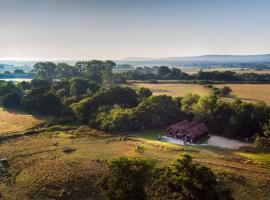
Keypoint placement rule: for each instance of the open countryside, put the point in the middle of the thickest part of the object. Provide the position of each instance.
(245, 92)
(134, 100)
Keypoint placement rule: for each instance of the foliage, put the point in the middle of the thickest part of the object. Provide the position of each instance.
(156, 111)
(144, 92)
(133, 178)
(106, 96)
(232, 119)
(188, 181)
(223, 92)
(264, 140)
(45, 70)
(11, 100)
(126, 179)
(188, 101)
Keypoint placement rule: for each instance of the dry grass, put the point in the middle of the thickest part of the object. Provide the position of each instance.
(173, 89)
(250, 92)
(11, 122)
(41, 168)
(245, 92)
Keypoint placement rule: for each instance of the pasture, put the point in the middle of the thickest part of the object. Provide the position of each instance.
(11, 122)
(173, 89)
(66, 164)
(245, 92)
(250, 92)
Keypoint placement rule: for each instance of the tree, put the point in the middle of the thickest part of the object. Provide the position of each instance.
(18, 71)
(50, 104)
(186, 180)
(64, 70)
(124, 96)
(163, 71)
(206, 107)
(264, 140)
(116, 119)
(189, 101)
(78, 86)
(12, 100)
(7, 72)
(42, 85)
(126, 179)
(45, 70)
(225, 91)
(158, 111)
(7, 87)
(144, 92)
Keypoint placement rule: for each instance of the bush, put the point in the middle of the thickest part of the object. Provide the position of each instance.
(12, 100)
(186, 180)
(126, 179)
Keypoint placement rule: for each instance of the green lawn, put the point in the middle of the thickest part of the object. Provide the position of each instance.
(149, 134)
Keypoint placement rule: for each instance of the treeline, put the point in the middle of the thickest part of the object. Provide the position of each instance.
(102, 72)
(165, 73)
(117, 108)
(231, 119)
(17, 73)
(95, 70)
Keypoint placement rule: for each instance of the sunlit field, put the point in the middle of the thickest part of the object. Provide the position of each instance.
(245, 92)
(250, 92)
(15, 122)
(172, 89)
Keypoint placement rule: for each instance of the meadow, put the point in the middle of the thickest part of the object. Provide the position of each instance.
(11, 122)
(250, 92)
(66, 164)
(173, 89)
(245, 92)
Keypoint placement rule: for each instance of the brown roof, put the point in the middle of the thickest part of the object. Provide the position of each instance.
(179, 124)
(188, 125)
(198, 130)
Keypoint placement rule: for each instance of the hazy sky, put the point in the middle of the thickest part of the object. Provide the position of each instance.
(112, 29)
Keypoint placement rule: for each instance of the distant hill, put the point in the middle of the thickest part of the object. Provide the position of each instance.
(199, 60)
(195, 61)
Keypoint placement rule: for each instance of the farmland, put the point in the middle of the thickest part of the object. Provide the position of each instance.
(250, 92)
(173, 89)
(11, 122)
(41, 167)
(245, 92)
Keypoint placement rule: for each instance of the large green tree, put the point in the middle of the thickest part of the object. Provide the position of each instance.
(45, 70)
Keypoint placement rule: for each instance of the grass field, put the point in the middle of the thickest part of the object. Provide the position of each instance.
(42, 168)
(245, 92)
(173, 89)
(250, 92)
(11, 122)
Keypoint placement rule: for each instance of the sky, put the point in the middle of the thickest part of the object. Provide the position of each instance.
(115, 29)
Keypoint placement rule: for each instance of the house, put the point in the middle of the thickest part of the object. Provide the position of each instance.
(197, 132)
(172, 129)
(187, 131)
